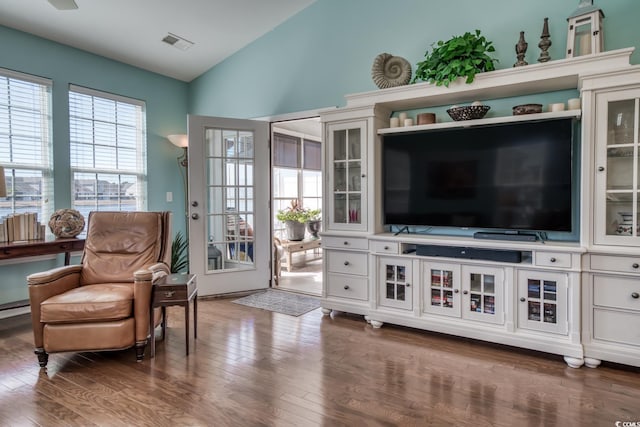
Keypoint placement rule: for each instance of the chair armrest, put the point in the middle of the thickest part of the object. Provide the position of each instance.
(46, 284)
(142, 287)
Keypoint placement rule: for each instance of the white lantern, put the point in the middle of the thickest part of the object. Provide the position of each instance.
(585, 35)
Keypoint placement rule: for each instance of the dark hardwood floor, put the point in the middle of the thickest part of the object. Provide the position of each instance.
(251, 367)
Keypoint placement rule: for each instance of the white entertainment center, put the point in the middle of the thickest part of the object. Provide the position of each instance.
(578, 299)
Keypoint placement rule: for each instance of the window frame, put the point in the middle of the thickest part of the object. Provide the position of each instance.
(140, 172)
(13, 168)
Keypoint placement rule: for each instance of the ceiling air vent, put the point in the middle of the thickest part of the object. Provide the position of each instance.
(177, 41)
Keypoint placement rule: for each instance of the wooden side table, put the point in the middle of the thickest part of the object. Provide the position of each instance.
(291, 247)
(174, 289)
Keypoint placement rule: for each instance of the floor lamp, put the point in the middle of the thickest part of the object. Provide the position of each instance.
(182, 141)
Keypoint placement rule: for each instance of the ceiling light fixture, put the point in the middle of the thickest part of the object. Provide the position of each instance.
(177, 41)
(63, 4)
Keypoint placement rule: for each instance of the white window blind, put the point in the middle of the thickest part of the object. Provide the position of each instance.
(25, 144)
(108, 151)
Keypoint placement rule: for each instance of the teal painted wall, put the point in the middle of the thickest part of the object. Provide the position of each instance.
(326, 51)
(166, 103)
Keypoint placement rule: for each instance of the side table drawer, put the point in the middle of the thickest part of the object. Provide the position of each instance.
(344, 286)
(167, 292)
(616, 292)
(616, 264)
(347, 262)
(337, 242)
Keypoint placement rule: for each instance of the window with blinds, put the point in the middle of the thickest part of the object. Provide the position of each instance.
(108, 151)
(296, 174)
(25, 144)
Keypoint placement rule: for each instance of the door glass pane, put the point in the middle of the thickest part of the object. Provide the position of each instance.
(401, 273)
(354, 144)
(533, 288)
(230, 205)
(339, 145)
(550, 290)
(550, 313)
(391, 272)
(436, 299)
(340, 208)
(435, 277)
(355, 182)
(401, 293)
(489, 284)
(489, 304)
(391, 291)
(447, 300)
(355, 208)
(476, 282)
(534, 311)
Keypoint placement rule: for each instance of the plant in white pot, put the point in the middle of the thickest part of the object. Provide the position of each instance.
(295, 217)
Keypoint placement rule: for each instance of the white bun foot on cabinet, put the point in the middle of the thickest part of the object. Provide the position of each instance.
(573, 362)
(376, 323)
(591, 363)
(367, 319)
(325, 311)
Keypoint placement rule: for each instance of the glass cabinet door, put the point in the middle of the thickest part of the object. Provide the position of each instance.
(617, 168)
(346, 164)
(441, 288)
(395, 283)
(542, 301)
(482, 294)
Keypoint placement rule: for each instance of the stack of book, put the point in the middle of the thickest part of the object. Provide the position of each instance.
(21, 227)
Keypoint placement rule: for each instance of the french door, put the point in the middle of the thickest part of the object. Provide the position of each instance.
(229, 223)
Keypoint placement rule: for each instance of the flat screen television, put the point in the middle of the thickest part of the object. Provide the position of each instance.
(512, 176)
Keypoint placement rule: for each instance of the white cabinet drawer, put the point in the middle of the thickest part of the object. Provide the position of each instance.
(617, 264)
(616, 292)
(553, 259)
(382, 247)
(344, 286)
(346, 262)
(345, 242)
(617, 326)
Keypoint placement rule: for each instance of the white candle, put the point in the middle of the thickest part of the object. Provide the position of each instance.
(574, 103)
(408, 122)
(394, 122)
(402, 117)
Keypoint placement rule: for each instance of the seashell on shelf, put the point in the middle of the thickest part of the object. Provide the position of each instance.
(390, 71)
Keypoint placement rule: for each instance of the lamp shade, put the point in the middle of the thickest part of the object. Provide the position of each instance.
(3, 186)
(181, 141)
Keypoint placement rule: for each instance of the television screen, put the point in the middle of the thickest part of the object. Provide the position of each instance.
(512, 176)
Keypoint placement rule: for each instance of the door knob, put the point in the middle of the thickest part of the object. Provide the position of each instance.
(522, 299)
(635, 295)
(195, 216)
(194, 203)
(601, 168)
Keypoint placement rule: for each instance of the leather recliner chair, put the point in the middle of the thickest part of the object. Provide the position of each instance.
(103, 303)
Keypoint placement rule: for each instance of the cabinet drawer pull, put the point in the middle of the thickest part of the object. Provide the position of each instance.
(169, 294)
(635, 295)
(601, 168)
(363, 176)
(522, 299)
(346, 263)
(635, 265)
(552, 259)
(455, 291)
(346, 287)
(465, 292)
(408, 285)
(386, 248)
(346, 243)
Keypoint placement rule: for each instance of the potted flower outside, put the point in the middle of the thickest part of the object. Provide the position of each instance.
(294, 218)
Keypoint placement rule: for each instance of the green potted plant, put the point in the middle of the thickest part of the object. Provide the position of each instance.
(461, 56)
(295, 217)
(179, 253)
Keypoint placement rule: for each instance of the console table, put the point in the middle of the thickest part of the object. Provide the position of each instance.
(33, 248)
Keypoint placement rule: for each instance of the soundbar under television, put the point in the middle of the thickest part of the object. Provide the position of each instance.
(513, 176)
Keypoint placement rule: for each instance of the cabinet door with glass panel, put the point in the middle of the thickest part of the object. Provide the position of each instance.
(542, 301)
(395, 279)
(483, 294)
(346, 164)
(441, 288)
(617, 201)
